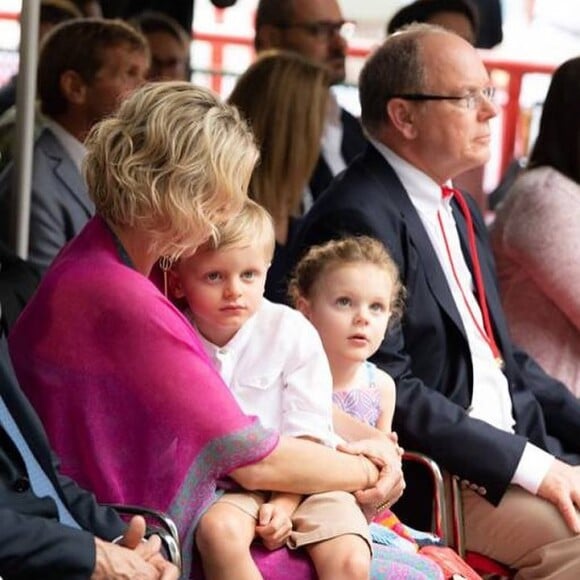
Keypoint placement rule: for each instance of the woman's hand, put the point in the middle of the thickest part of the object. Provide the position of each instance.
(383, 451)
(386, 454)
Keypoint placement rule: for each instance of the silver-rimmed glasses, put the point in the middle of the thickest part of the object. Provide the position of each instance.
(471, 100)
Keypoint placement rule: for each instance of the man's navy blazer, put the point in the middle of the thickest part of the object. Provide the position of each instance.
(33, 544)
(427, 353)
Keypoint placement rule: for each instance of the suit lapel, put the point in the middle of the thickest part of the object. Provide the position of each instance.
(433, 272)
(66, 171)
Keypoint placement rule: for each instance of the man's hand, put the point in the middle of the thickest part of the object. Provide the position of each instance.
(561, 486)
(134, 557)
(274, 526)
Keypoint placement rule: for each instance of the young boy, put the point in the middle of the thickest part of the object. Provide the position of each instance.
(274, 362)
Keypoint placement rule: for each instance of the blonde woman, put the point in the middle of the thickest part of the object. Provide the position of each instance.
(284, 98)
(119, 377)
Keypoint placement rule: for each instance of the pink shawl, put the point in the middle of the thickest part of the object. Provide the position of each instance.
(128, 397)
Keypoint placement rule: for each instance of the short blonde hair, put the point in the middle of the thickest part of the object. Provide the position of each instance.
(284, 97)
(253, 225)
(322, 259)
(174, 161)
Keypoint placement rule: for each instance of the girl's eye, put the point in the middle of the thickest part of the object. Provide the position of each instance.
(343, 301)
(377, 307)
(249, 275)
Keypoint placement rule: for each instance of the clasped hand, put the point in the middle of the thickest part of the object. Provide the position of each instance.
(386, 454)
(133, 557)
(274, 526)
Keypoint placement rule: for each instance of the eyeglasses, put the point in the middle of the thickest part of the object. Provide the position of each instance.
(325, 29)
(471, 100)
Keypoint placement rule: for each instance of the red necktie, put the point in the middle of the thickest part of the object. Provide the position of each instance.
(487, 331)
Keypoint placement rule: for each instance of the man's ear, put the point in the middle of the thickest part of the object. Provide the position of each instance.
(401, 114)
(303, 306)
(73, 87)
(268, 36)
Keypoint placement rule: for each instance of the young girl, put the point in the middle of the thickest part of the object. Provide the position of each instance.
(349, 289)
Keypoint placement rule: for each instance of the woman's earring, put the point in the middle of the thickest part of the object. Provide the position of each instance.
(165, 262)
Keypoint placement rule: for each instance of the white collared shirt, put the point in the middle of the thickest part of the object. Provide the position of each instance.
(277, 369)
(330, 146)
(491, 401)
(75, 149)
(331, 143)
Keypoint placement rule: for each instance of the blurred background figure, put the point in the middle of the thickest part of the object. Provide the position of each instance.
(459, 16)
(284, 98)
(317, 30)
(89, 8)
(168, 43)
(536, 241)
(52, 12)
(86, 68)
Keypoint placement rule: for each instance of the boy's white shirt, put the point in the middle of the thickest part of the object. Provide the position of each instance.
(277, 369)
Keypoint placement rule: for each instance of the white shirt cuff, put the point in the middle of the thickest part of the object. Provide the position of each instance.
(532, 468)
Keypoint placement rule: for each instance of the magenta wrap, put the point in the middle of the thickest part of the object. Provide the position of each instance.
(132, 404)
(124, 388)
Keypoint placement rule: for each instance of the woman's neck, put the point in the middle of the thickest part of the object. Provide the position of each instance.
(137, 244)
(344, 373)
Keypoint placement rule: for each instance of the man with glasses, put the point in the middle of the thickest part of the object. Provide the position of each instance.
(466, 395)
(316, 30)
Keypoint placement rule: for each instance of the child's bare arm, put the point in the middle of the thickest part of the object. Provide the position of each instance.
(352, 429)
(386, 386)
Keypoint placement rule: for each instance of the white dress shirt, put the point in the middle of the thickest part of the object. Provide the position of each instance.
(330, 146)
(331, 143)
(491, 401)
(277, 369)
(76, 150)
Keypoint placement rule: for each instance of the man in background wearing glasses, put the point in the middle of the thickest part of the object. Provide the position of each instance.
(316, 30)
(482, 408)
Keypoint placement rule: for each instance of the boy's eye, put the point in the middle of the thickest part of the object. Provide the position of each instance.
(377, 307)
(248, 275)
(343, 301)
(213, 276)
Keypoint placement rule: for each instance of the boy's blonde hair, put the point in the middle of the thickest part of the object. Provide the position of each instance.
(321, 259)
(252, 225)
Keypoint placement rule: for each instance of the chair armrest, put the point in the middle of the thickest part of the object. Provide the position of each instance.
(440, 514)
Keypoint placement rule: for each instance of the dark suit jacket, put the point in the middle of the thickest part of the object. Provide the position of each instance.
(33, 544)
(353, 143)
(428, 354)
(18, 281)
(60, 205)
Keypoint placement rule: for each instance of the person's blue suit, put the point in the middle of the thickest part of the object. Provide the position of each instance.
(428, 354)
(60, 204)
(33, 544)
